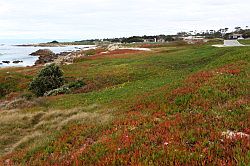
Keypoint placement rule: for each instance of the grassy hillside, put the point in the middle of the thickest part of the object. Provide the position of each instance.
(176, 105)
(246, 42)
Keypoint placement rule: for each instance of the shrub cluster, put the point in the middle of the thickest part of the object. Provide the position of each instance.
(76, 85)
(50, 82)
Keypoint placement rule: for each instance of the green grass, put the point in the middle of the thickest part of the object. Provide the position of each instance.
(166, 107)
(245, 42)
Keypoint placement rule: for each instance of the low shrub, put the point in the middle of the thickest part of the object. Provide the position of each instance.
(7, 86)
(76, 85)
(90, 52)
(66, 88)
(49, 78)
(27, 96)
(3, 90)
(58, 91)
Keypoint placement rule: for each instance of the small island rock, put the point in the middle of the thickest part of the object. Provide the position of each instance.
(45, 56)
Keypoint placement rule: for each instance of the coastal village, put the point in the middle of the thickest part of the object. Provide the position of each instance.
(190, 37)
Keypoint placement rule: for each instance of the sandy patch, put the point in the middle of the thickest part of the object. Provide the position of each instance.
(139, 49)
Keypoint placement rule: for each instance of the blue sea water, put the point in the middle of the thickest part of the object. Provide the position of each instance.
(11, 53)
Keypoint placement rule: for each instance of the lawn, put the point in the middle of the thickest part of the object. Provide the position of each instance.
(175, 105)
(245, 42)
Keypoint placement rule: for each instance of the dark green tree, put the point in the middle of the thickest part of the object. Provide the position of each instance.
(49, 78)
(54, 42)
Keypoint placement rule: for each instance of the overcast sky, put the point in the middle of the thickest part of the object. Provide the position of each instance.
(85, 19)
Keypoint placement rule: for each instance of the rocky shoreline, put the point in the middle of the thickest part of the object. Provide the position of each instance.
(47, 56)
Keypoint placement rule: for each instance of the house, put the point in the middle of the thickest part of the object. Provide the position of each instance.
(194, 39)
(235, 36)
(150, 40)
(154, 40)
(161, 40)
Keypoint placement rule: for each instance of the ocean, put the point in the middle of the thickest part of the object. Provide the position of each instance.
(12, 53)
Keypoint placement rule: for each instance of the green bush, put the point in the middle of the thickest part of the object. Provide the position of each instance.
(3, 90)
(76, 85)
(7, 87)
(49, 78)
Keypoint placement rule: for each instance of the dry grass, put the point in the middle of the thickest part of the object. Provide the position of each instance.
(18, 128)
(25, 140)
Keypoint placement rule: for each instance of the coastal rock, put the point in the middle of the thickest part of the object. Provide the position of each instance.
(6, 62)
(17, 61)
(63, 54)
(45, 56)
(67, 57)
(43, 52)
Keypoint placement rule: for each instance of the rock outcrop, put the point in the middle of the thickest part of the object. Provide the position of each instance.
(45, 56)
(43, 52)
(17, 61)
(6, 62)
(67, 57)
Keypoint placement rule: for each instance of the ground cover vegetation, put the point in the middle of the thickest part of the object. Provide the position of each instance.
(175, 105)
(245, 42)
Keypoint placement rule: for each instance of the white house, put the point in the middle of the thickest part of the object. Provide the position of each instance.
(235, 36)
(151, 40)
(194, 39)
(161, 40)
